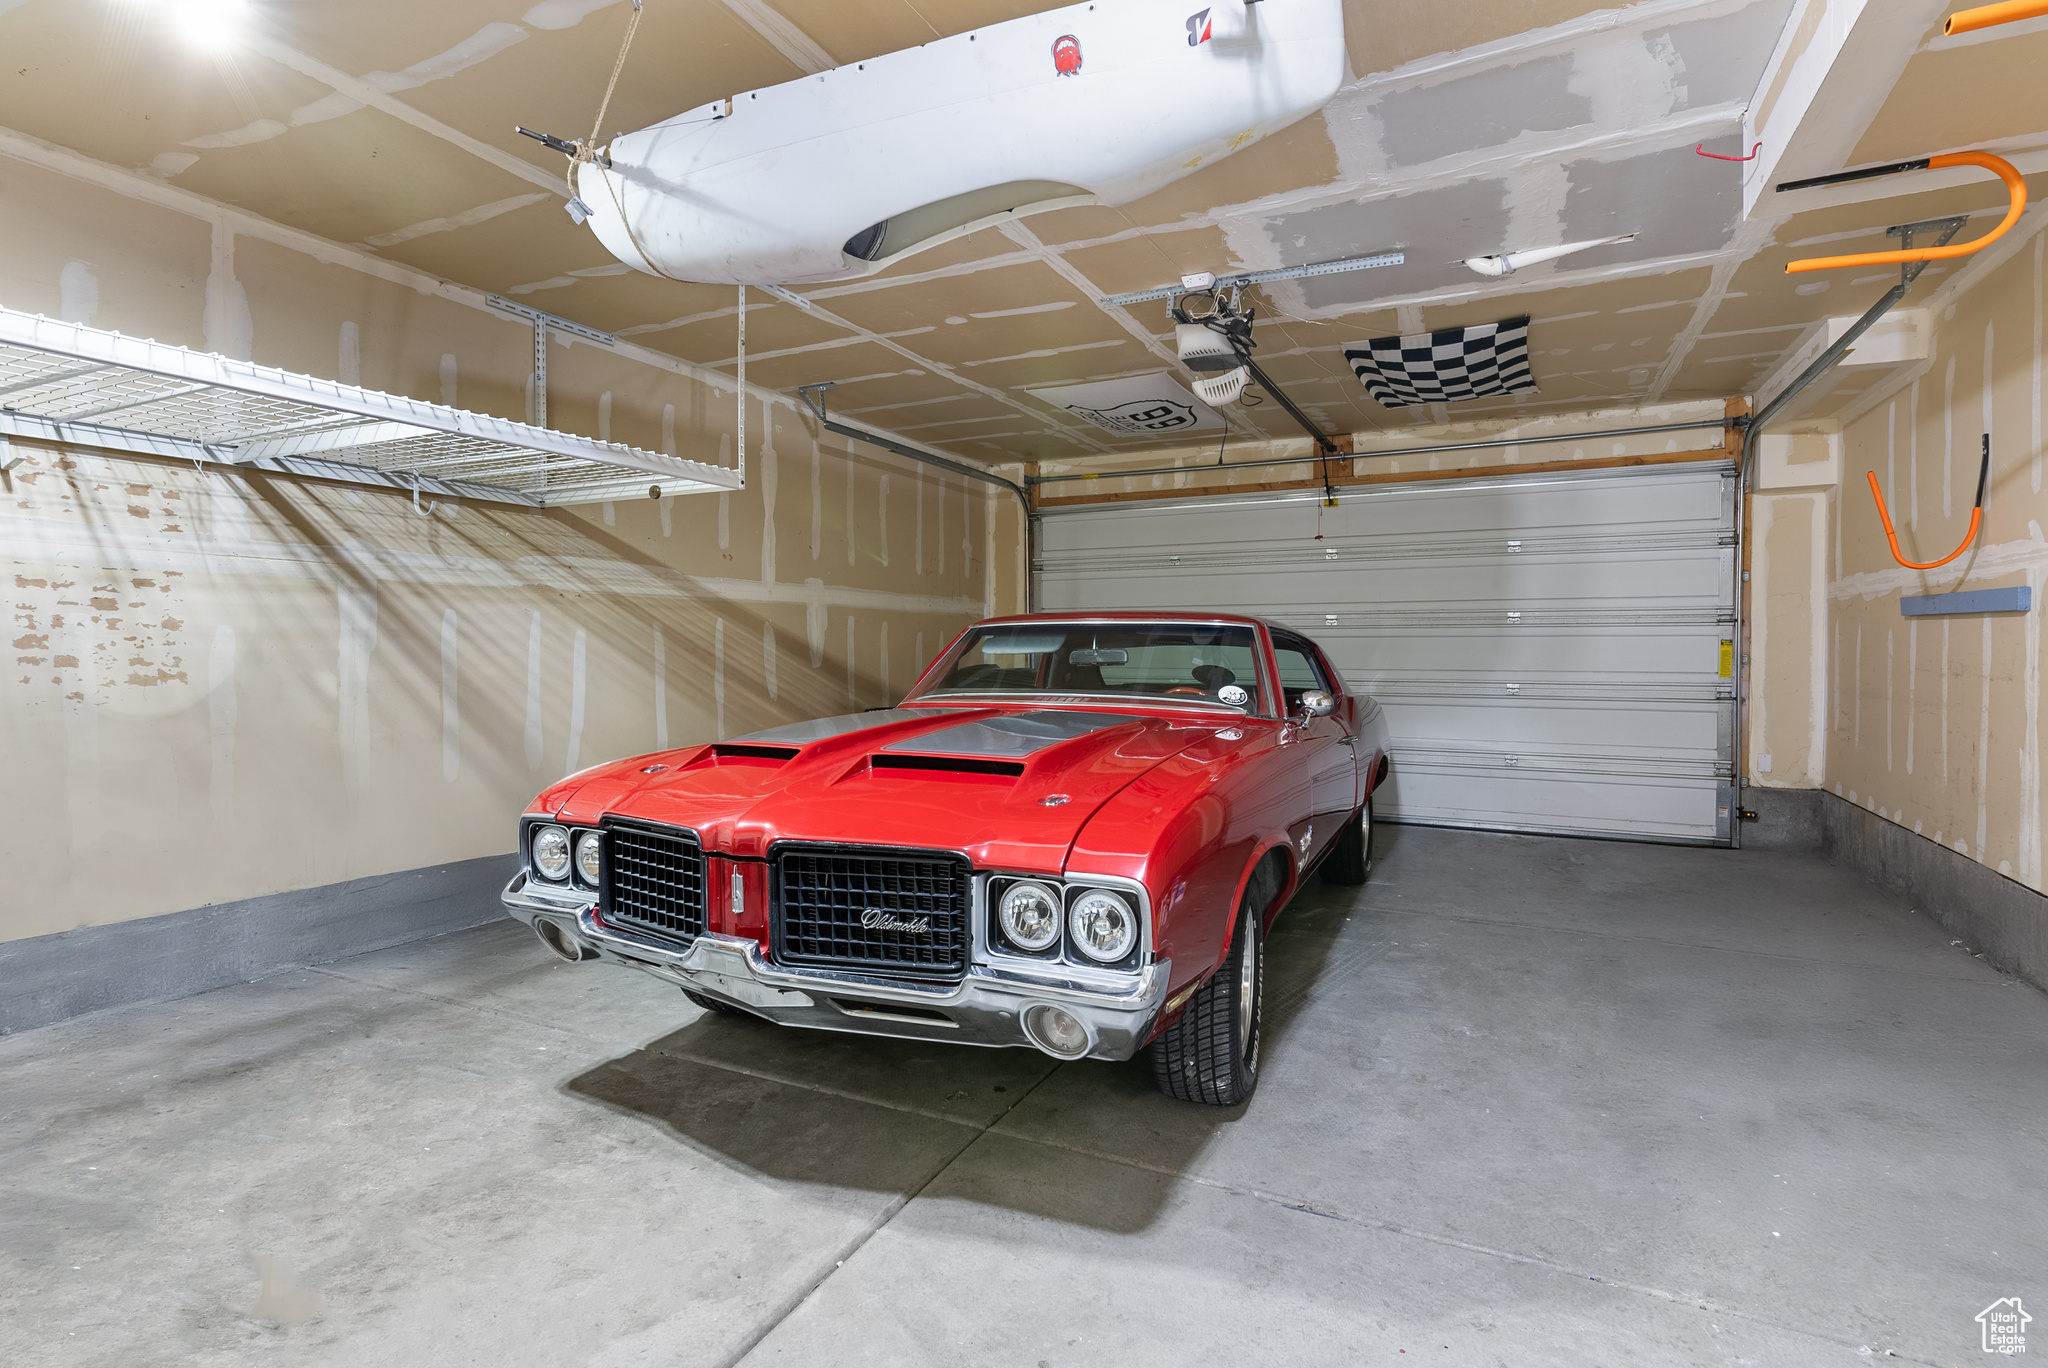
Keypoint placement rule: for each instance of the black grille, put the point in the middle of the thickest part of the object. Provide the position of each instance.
(654, 880)
(824, 896)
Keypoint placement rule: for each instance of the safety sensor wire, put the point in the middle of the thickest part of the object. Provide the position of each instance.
(1976, 516)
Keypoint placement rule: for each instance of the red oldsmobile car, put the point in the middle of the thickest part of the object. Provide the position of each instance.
(1073, 834)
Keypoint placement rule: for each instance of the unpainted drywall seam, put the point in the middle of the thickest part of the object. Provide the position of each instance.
(226, 321)
(451, 713)
(660, 690)
(1763, 512)
(1817, 628)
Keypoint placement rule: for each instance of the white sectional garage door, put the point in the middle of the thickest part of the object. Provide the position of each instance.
(1549, 648)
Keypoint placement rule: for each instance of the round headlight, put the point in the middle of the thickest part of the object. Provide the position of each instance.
(1103, 926)
(551, 852)
(1030, 913)
(590, 857)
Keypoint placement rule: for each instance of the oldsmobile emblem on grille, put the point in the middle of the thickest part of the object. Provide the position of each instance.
(875, 919)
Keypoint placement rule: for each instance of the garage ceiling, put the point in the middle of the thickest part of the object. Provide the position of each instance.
(1468, 129)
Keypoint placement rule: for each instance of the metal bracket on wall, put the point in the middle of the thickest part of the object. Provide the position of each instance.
(2015, 599)
(542, 324)
(814, 399)
(1822, 364)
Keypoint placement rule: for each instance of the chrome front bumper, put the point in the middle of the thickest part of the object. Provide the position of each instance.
(985, 1008)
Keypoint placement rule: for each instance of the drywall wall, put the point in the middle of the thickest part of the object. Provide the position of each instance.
(1794, 485)
(222, 684)
(1934, 723)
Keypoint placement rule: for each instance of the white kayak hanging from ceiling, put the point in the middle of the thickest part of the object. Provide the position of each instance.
(838, 175)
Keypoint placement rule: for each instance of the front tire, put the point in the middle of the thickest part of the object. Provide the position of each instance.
(712, 1004)
(1351, 862)
(1211, 1055)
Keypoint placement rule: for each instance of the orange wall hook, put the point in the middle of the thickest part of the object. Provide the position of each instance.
(1987, 16)
(2006, 171)
(1976, 516)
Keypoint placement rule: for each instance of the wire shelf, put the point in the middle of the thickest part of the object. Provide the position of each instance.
(65, 381)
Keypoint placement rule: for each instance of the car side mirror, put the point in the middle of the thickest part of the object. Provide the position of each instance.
(1315, 703)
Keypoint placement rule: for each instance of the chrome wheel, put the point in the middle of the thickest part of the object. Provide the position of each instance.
(1248, 991)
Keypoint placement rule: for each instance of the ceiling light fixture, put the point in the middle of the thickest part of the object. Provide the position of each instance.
(210, 24)
(1507, 263)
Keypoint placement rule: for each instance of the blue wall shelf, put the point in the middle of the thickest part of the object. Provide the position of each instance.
(2015, 600)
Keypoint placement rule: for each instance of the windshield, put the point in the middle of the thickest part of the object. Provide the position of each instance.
(1197, 662)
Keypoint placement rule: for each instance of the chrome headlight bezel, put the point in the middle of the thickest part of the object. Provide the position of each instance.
(589, 858)
(1091, 904)
(557, 842)
(993, 945)
(1019, 892)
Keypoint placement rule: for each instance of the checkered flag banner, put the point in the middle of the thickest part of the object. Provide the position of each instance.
(1445, 367)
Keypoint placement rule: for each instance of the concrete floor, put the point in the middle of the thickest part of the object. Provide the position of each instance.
(1525, 1102)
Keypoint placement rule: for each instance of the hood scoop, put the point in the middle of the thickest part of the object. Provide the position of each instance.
(946, 764)
(739, 752)
(750, 756)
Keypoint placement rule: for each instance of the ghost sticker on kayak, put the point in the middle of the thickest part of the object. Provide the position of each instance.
(1066, 55)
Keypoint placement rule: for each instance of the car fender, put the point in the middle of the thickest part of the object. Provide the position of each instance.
(1375, 759)
(1184, 992)
(1290, 883)
(1191, 830)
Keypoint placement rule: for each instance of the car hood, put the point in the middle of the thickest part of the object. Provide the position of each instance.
(1011, 787)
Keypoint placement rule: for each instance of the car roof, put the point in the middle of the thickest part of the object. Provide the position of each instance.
(1142, 615)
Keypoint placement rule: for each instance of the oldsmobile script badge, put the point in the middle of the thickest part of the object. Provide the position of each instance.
(875, 919)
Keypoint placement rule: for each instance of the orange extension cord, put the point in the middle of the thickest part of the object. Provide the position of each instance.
(1976, 516)
(2006, 172)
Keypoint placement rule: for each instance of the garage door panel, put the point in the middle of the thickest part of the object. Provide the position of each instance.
(1674, 731)
(1560, 632)
(1517, 657)
(1670, 582)
(1394, 517)
(1646, 809)
(1678, 585)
